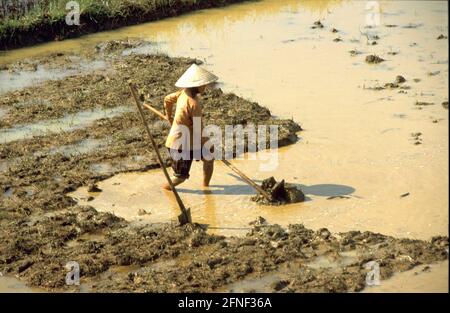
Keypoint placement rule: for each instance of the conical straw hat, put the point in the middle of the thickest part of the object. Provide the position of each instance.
(195, 76)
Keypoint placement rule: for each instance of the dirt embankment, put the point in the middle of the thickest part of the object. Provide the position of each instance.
(95, 19)
(41, 228)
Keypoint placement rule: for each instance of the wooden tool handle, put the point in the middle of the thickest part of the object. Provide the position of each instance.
(147, 106)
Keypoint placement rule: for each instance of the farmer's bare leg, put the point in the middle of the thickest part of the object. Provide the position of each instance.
(176, 181)
(208, 169)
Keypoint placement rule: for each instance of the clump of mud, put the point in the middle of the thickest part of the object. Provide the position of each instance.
(423, 103)
(317, 24)
(373, 59)
(354, 52)
(116, 46)
(281, 193)
(393, 53)
(399, 80)
(398, 83)
(417, 138)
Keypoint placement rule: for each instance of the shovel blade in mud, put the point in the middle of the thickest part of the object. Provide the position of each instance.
(185, 217)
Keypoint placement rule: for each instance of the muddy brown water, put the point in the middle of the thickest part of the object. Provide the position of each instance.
(357, 142)
(68, 123)
(422, 279)
(12, 80)
(9, 284)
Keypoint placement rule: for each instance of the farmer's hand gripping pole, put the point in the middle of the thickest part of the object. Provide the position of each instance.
(185, 216)
(261, 191)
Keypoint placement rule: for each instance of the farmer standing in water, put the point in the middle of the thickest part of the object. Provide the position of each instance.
(185, 141)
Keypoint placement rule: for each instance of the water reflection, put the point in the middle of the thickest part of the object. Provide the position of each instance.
(67, 123)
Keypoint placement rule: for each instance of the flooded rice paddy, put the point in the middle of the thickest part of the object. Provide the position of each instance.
(373, 153)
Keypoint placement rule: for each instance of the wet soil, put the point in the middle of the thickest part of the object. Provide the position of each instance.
(170, 258)
(38, 219)
(193, 261)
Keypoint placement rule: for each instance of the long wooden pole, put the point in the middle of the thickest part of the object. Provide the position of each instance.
(264, 193)
(185, 216)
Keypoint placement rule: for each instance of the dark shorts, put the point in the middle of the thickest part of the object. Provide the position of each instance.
(182, 161)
